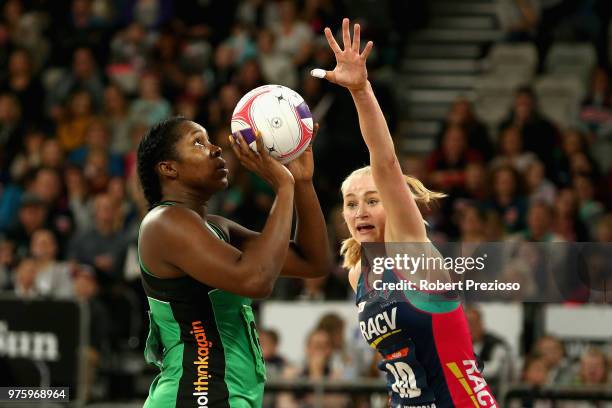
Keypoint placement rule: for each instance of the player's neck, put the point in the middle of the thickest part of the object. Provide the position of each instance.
(194, 202)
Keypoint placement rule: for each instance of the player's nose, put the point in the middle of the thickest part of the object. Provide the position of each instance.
(215, 151)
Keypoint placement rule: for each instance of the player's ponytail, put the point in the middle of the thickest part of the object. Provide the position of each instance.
(351, 249)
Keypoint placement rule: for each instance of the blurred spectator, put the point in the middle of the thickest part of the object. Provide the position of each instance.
(78, 198)
(447, 164)
(131, 46)
(462, 114)
(52, 155)
(596, 111)
(323, 13)
(32, 215)
(276, 67)
(603, 231)
(518, 18)
(539, 135)
(249, 76)
(116, 115)
(554, 356)
(535, 373)
(84, 75)
(589, 209)
(317, 367)
(11, 130)
(293, 37)
(343, 358)
(275, 363)
(540, 218)
(574, 143)
(593, 368)
(567, 223)
(103, 245)
(97, 138)
(471, 220)
(25, 279)
(23, 83)
(29, 157)
(493, 352)
(53, 278)
(7, 263)
(538, 186)
(257, 13)
(511, 151)
(508, 200)
(150, 107)
(72, 127)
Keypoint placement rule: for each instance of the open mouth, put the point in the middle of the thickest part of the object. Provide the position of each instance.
(364, 228)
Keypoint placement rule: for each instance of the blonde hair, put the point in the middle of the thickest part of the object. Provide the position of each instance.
(351, 249)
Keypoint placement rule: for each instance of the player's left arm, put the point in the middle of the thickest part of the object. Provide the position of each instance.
(309, 253)
(404, 220)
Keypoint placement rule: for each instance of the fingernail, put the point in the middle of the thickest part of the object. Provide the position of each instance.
(231, 139)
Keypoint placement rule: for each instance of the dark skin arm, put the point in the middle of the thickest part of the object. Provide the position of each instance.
(309, 255)
(176, 240)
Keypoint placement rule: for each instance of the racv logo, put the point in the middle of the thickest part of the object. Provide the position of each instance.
(378, 325)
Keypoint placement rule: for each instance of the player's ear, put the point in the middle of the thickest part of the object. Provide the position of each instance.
(167, 169)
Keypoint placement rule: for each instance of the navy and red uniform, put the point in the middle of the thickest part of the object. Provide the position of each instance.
(425, 345)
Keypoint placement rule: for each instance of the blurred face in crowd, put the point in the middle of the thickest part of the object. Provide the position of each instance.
(104, 210)
(603, 232)
(286, 11)
(535, 174)
(12, 11)
(149, 87)
(43, 245)
(584, 188)
(80, 104)
(196, 86)
(96, 170)
(475, 176)
(511, 143)
(48, 185)
(85, 285)
(471, 222)
(265, 42)
(454, 143)
(363, 210)
(551, 350)
(319, 343)
(539, 218)
(52, 154)
(572, 142)
(229, 95)
(593, 368)
(580, 164)
(33, 142)
(475, 322)
(19, 63)
(536, 372)
(114, 101)
(524, 105)
(83, 63)
(565, 204)
(460, 113)
(116, 189)
(97, 135)
(505, 182)
(26, 274)
(10, 111)
(32, 216)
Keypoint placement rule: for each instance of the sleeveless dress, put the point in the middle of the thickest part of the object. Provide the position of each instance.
(426, 347)
(204, 342)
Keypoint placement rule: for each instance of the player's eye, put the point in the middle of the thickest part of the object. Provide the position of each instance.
(351, 205)
(372, 201)
(199, 143)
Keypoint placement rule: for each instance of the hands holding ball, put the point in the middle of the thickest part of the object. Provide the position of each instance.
(274, 122)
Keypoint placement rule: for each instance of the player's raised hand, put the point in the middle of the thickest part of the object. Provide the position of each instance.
(350, 71)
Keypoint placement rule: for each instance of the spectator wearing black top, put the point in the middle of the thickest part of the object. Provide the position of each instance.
(539, 135)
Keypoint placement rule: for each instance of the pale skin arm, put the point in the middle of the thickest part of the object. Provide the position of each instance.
(404, 220)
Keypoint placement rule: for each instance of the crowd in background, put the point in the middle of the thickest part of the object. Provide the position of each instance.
(81, 81)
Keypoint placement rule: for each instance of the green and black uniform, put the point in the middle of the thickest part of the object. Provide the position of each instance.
(205, 343)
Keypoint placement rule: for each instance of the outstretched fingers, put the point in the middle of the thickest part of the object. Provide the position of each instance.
(346, 34)
(366, 50)
(332, 41)
(356, 38)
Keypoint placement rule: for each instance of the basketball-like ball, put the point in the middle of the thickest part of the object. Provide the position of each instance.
(280, 115)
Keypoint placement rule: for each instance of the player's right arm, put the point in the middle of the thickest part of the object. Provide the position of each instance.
(178, 239)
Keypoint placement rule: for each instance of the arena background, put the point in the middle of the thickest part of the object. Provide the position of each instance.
(503, 104)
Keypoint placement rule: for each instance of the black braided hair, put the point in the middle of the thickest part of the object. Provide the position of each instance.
(157, 145)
